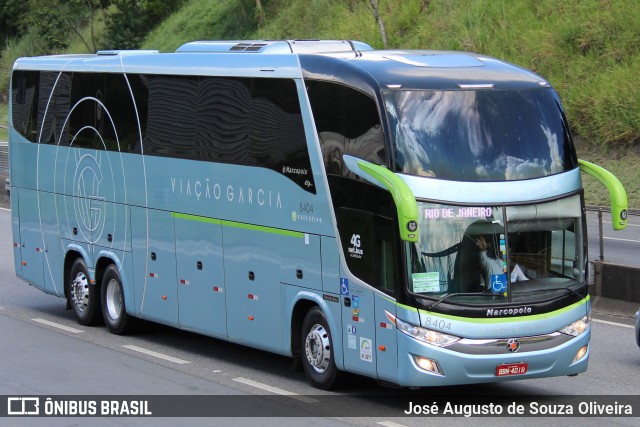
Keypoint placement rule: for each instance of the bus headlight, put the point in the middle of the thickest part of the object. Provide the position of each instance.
(578, 327)
(429, 336)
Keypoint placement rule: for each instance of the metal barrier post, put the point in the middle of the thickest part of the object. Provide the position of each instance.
(601, 232)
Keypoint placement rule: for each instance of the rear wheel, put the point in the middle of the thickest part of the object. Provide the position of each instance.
(83, 295)
(318, 358)
(113, 304)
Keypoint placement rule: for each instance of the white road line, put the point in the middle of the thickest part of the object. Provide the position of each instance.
(275, 390)
(390, 424)
(606, 322)
(57, 325)
(156, 354)
(628, 224)
(621, 240)
(5, 209)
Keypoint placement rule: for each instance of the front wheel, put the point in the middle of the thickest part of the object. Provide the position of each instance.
(113, 304)
(83, 295)
(317, 351)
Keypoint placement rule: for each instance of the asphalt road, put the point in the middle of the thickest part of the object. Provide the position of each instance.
(44, 351)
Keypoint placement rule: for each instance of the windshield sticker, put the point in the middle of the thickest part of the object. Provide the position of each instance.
(352, 342)
(366, 350)
(498, 283)
(426, 282)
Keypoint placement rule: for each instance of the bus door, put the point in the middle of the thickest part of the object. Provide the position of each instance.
(369, 340)
(200, 273)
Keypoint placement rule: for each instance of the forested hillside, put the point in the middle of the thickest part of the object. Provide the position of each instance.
(588, 49)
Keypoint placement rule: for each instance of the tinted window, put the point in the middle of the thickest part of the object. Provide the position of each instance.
(77, 109)
(481, 135)
(254, 122)
(369, 246)
(277, 139)
(347, 122)
(87, 118)
(172, 116)
(54, 104)
(24, 98)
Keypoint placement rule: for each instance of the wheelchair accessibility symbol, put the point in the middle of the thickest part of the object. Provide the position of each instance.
(498, 283)
(344, 286)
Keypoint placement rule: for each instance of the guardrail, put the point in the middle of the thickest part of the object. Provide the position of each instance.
(618, 247)
(4, 160)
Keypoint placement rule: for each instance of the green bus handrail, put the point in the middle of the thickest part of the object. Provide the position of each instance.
(403, 198)
(617, 193)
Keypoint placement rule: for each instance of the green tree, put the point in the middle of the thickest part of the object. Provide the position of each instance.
(54, 20)
(12, 13)
(129, 21)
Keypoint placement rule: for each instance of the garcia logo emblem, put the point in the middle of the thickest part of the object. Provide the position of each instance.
(89, 206)
(623, 214)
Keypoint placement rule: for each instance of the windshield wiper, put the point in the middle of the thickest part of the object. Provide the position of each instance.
(447, 296)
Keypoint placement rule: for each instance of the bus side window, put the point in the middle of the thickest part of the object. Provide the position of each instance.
(368, 243)
(347, 122)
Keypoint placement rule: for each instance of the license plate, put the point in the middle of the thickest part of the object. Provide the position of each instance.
(511, 369)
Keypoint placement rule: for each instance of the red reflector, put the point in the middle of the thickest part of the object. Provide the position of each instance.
(250, 296)
(383, 325)
(164, 297)
(37, 249)
(354, 318)
(215, 289)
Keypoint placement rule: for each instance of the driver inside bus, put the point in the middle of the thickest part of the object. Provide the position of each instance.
(492, 264)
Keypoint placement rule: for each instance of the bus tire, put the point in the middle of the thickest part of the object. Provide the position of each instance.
(113, 303)
(318, 358)
(83, 295)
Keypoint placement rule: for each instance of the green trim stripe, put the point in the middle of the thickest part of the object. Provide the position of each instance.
(509, 319)
(225, 223)
(496, 319)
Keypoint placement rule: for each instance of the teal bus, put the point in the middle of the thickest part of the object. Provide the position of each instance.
(416, 217)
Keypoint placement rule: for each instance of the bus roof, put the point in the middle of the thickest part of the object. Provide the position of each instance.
(349, 62)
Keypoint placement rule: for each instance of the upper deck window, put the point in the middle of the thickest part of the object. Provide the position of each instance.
(479, 135)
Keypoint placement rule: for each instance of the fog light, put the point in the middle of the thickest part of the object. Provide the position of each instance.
(427, 364)
(580, 354)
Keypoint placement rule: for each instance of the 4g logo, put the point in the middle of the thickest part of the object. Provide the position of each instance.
(354, 250)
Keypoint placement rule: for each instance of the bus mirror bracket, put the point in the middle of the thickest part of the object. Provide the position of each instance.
(402, 195)
(617, 193)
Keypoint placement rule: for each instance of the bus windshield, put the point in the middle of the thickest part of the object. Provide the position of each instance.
(481, 254)
(480, 135)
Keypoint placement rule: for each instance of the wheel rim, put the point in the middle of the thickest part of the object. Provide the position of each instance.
(318, 348)
(80, 292)
(114, 299)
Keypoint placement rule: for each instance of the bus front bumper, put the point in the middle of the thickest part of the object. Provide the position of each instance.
(443, 366)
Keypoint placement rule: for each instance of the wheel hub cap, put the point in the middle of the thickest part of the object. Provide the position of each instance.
(318, 349)
(80, 291)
